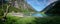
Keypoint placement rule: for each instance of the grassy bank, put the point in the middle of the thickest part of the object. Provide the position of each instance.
(19, 20)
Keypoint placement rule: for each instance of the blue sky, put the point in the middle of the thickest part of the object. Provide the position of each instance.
(39, 5)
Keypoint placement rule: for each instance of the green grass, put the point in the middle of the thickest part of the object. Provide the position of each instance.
(19, 20)
(32, 20)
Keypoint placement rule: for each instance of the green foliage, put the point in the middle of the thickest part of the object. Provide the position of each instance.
(19, 20)
(1, 13)
(32, 20)
(11, 8)
(48, 20)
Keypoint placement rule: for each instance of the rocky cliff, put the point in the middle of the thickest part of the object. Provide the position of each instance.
(22, 5)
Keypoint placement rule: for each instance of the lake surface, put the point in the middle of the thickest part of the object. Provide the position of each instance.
(37, 15)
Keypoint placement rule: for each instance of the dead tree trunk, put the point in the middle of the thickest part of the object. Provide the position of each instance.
(5, 14)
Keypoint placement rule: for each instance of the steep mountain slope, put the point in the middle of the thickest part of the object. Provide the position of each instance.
(16, 6)
(53, 9)
(22, 5)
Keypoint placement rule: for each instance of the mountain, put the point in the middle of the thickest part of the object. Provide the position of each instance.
(16, 6)
(53, 9)
(22, 5)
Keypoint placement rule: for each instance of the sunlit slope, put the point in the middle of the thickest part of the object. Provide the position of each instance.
(24, 6)
(18, 6)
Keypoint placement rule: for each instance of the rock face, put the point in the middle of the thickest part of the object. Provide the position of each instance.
(21, 4)
(53, 9)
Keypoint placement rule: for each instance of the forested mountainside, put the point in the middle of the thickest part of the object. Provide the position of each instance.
(53, 9)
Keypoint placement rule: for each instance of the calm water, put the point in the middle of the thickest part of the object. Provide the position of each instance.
(37, 15)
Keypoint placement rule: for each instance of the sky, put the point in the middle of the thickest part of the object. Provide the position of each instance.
(39, 5)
